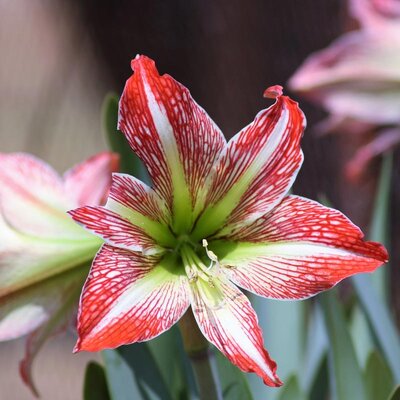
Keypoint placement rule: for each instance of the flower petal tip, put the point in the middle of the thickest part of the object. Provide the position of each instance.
(273, 92)
(77, 348)
(276, 383)
(383, 253)
(141, 61)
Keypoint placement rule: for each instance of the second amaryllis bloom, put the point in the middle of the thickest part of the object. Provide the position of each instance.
(216, 217)
(44, 256)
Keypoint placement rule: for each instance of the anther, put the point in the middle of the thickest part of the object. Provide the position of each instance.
(211, 255)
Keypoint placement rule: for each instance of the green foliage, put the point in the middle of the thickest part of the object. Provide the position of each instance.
(292, 391)
(345, 374)
(395, 395)
(138, 366)
(379, 231)
(95, 384)
(233, 381)
(378, 377)
(315, 353)
(170, 358)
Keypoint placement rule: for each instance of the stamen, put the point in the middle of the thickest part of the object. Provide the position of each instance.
(194, 268)
(212, 256)
(191, 274)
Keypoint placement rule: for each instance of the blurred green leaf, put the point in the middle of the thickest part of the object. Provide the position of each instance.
(320, 388)
(121, 381)
(129, 162)
(132, 373)
(95, 384)
(147, 373)
(372, 301)
(291, 390)
(378, 377)
(167, 350)
(361, 335)
(380, 222)
(316, 348)
(345, 373)
(283, 326)
(233, 381)
(381, 321)
(395, 395)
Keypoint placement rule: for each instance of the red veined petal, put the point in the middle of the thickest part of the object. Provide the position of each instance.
(32, 196)
(228, 321)
(88, 182)
(129, 297)
(298, 250)
(256, 169)
(114, 229)
(128, 194)
(175, 138)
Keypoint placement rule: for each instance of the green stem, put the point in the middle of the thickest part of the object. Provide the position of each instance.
(201, 358)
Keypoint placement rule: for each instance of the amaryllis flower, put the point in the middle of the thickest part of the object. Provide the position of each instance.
(357, 78)
(44, 256)
(216, 217)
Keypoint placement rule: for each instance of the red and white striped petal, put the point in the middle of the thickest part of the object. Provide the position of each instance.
(32, 196)
(88, 182)
(227, 320)
(298, 250)
(129, 297)
(256, 169)
(175, 138)
(130, 196)
(115, 229)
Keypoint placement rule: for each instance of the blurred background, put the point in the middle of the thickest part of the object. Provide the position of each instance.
(60, 58)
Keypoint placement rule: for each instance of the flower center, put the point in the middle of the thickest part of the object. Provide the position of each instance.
(195, 267)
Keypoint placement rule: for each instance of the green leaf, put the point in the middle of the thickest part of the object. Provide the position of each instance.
(320, 388)
(167, 350)
(380, 222)
(121, 381)
(361, 335)
(279, 320)
(291, 390)
(129, 162)
(316, 348)
(381, 321)
(395, 395)
(132, 373)
(378, 377)
(345, 373)
(95, 384)
(233, 381)
(148, 376)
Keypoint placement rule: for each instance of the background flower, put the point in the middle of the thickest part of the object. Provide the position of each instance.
(357, 79)
(44, 256)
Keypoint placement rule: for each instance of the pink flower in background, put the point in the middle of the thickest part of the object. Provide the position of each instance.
(357, 78)
(217, 216)
(44, 256)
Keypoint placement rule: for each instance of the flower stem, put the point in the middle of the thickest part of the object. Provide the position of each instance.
(201, 358)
